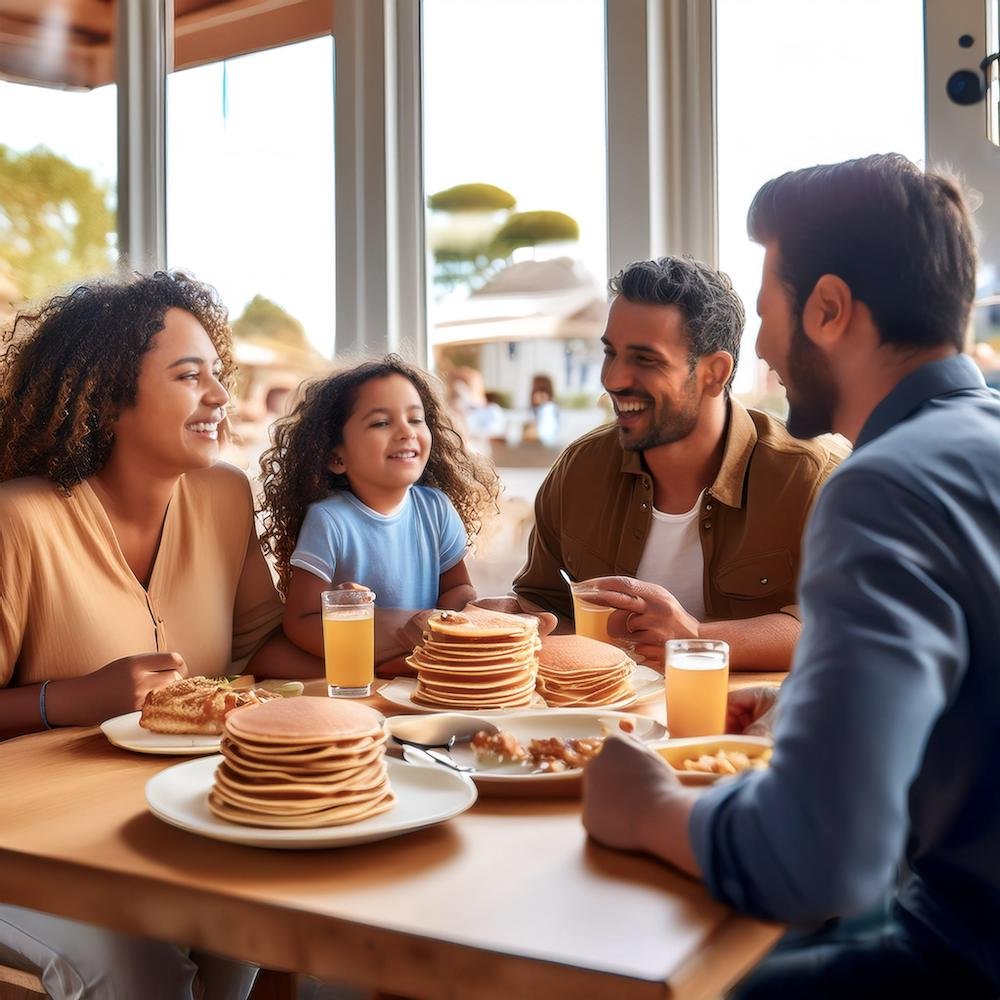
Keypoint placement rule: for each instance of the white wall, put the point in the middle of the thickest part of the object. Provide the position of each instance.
(956, 135)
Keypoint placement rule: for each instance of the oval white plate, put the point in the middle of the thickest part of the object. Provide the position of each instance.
(646, 682)
(565, 723)
(124, 731)
(400, 692)
(424, 796)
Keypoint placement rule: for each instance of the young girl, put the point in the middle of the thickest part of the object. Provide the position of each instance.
(367, 482)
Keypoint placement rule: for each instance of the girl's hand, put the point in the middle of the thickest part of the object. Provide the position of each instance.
(117, 688)
(351, 586)
(646, 614)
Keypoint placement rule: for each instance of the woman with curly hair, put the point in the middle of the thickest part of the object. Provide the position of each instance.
(128, 558)
(368, 482)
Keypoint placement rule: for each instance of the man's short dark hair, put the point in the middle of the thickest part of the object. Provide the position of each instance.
(713, 313)
(900, 238)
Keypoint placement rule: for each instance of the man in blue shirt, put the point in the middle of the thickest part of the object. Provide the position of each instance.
(887, 738)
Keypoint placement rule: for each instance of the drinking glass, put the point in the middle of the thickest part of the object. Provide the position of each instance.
(697, 676)
(591, 619)
(349, 642)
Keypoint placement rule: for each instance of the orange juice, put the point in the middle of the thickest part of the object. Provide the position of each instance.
(697, 688)
(592, 620)
(349, 644)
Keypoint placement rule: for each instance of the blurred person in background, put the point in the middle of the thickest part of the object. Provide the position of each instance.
(544, 424)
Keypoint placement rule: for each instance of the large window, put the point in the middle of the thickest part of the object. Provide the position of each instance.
(514, 170)
(800, 84)
(250, 180)
(250, 210)
(57, 154)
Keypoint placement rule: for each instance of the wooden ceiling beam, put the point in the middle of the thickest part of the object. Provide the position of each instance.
(235, 27)
(84, 55)
(27, 56)
(95, 17)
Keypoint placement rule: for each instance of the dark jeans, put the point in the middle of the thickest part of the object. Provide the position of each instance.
(898, 959)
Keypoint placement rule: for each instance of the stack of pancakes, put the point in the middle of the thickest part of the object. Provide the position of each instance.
(476, 660)
(577, 672)
(305, 762)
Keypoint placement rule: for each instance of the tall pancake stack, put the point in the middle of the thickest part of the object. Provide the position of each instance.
(305, 762)
(577, 672)
(476, 660)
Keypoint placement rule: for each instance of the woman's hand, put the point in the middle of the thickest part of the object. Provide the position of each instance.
(646, 614)
(118, 687)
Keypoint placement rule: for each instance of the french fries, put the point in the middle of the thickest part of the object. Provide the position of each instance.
(727, 762)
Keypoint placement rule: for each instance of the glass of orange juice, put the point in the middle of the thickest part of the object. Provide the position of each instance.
(697, 676)
(591, 619)
(349, 642)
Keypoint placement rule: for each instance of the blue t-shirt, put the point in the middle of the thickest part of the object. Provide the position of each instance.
(400, 556)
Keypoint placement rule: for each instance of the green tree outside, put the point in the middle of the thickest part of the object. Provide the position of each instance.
(476, 230)
(57, 222)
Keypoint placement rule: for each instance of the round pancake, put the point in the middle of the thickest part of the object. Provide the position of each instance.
(303, 720)
(286, 762)
(477, 624)
(293, 798)
(252, 768)
(308, 752)
(577, 652)
(337, 816)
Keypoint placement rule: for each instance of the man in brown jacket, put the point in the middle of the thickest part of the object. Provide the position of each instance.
(689, 509)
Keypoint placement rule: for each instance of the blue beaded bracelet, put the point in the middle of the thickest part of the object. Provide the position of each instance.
(41, 705)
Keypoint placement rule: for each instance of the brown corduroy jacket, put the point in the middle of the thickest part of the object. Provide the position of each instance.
(593, 514)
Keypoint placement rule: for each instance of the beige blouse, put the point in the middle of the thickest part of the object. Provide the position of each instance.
(70, 604)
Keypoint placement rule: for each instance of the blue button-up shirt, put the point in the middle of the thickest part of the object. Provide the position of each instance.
(888, 739)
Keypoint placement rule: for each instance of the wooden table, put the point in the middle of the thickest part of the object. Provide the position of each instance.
(508, 900)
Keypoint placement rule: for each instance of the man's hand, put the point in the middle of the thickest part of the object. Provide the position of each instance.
(622, 789)
(633, 801)
(118, 687)
(752, 710)
(646, 614)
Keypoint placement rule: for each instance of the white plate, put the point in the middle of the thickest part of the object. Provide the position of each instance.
(424, 796)
(124, 731)
(647, 684)
(400, 692)
(565, 723)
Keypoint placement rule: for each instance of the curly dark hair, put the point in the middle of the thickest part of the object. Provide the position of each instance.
(70, 367)
(294, 469)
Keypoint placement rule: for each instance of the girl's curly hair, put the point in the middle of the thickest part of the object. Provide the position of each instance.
(294, 469)
(69, 369)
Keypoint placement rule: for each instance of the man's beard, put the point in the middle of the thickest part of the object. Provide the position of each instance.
(810, 388)
(673, 423)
